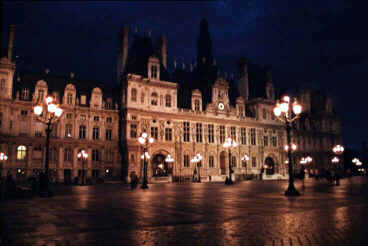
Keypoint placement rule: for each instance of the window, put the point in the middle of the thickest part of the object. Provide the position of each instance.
(254, 162)
(265, 141)
(168, 101)
(53, 154)
(199, 132)
(233, 132)
(243, 136)
(96, 118)
(40, 95)
(142, 97)
(69, 115)
(96, 133)
(186, 132)
(24, 94)
(133, 130)
(134, 117)
(154, 98)
(211, 161)
(222, 134)
(197, 105)
(253, 136)
(274, 141)
(186, 160)
(2, 84)
(83, 117)
(154, 132)
(108, 134)
(233, 161)
(108, 104)
(153, 71)
(69, 99)
(134, 95)
(68, 154)
(168, 134)
(264, 114)
(108, 119)
(82, 132)
(21, 152)
(272, 116)
(210, 134)
(95, 155)
(68, 130)
(23, 112)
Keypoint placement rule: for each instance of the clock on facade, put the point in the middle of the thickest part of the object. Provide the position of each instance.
(221, 106)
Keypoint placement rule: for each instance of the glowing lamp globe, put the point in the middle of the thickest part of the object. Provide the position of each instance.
(37, 110)
(48, 100)
(141, 140)
(297, 108)
(286, 99)
(284, 107)
(58, 112)
(51, 108)
(151, 140)
(277, 111)
(144, 134)
(235, 144)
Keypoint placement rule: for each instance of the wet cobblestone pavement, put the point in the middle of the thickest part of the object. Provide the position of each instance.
(248, 213)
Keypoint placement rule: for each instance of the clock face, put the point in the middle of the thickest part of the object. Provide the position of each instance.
(221, 106)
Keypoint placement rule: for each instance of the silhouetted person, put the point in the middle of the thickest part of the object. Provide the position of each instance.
(302, 176)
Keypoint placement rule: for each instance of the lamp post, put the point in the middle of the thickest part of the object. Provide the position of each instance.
(288, 112)
(48, 112)
(169, 160)
(229, 142)
(245, 158)
(337, 150)
(358, 163)
(145, 141)
(196, 160)
(3, 158)
(82, 156)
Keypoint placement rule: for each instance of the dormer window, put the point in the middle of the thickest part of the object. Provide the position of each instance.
(24, 94)
(69, 99)
(154, 98)
(134, 95)
(154, 72)
(197, 105)
(168, 101)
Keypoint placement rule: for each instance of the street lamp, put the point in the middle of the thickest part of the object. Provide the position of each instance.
(47, 112)
(229, 142)
(288, 112)
(245, 158)
(196, 160)
(358, 163)
(82, 156)
(337, 150)
(169, 160)
(145, 141)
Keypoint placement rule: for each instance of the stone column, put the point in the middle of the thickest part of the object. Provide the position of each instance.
(60, 164)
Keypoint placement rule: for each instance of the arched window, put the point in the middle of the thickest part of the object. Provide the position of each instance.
(95, 155)
(68, 154)
(69, 99)
(134, 94)
(21, 152)
(168, 101)
(197, 105)
(2, 84)
(154, 98)
(82, 132)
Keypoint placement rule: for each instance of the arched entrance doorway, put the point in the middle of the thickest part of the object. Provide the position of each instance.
(222, 162)
(270, 166)
(160, 168)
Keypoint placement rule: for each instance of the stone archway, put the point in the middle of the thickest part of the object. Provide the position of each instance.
(223, 163)
(271, 167)
(159, 167)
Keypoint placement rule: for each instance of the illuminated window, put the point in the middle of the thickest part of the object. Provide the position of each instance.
(199, 132)
(168, 101)
(186, 134)
(134, 95)
(21, 152)
(211, 138)
(69, 99)
(211, 161)
(222, 134)
(243, 136)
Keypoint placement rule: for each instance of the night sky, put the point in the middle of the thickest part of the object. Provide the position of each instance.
(321, 44)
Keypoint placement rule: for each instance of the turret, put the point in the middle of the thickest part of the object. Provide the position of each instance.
(123, 50)
(243, 82)
(11, 42)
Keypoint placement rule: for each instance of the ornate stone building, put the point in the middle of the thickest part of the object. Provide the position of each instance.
(189, 110)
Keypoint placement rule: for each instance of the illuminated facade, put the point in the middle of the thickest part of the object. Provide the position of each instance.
(189, 111)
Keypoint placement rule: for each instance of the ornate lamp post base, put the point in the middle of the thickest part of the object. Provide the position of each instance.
(144, 185)
(291, 191)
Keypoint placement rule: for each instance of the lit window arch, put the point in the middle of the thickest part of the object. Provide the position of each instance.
(69, 99)
(21, 152)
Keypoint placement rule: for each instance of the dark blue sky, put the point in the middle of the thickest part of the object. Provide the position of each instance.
(318, 43)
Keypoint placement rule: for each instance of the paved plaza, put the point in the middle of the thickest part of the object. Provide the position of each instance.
(247, 213)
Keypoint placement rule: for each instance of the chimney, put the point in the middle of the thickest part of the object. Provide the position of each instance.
(11, 41)
(123, 49)
(164, 51)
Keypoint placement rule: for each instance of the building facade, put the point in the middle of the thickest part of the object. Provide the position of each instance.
(188, 111)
